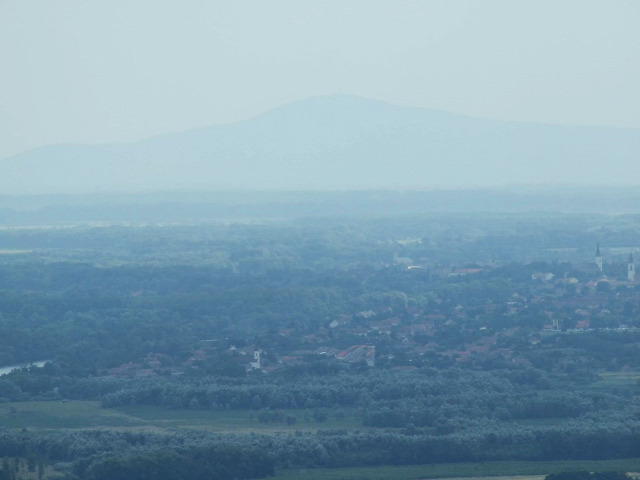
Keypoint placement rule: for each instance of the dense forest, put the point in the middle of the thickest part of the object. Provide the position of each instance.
(434, 338)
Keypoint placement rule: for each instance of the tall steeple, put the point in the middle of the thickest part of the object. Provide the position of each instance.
(631, 269)
(598, 258)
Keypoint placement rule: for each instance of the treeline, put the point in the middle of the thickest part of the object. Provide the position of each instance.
(388, 398)
(221, 462)
(340, 237)
(112, 455)
(441, 401)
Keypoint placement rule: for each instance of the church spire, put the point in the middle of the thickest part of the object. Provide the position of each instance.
(598, 259)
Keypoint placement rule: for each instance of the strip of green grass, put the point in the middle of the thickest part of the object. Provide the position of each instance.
(455, 470)
(236, 420)
(55, 415)
(620, 378)
(609, 380)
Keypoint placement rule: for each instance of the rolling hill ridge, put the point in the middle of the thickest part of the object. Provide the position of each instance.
(334, 142)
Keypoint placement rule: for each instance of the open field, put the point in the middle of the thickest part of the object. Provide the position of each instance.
(610, 380)
(237, 420)
(54, 415)
(620, 378)
(516, 470)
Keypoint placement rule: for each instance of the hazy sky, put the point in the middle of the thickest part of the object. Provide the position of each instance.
(101, 71)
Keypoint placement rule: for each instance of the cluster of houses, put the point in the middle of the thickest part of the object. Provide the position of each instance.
(417, 332)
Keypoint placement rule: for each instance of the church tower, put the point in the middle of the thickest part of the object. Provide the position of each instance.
(631, 269)
(598, 258)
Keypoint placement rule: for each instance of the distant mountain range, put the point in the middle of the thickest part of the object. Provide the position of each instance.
(336, 142)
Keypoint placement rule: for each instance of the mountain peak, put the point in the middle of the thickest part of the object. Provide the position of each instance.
(334, 142)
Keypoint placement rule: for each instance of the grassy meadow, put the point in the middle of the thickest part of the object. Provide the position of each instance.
(55, 415)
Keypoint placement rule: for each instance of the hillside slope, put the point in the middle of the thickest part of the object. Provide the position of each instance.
(334, 142)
